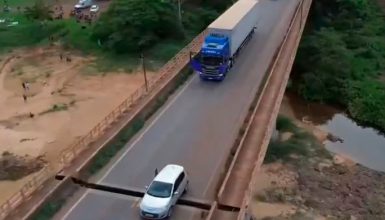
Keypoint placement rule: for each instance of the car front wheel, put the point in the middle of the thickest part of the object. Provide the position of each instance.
(186, 187)
(170, 211)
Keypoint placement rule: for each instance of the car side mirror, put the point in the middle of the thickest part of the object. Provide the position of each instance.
(176, 193)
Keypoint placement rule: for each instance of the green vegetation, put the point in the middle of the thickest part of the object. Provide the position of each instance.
(58, 107)
(143, 24)
(26, 33)
(15, 3)
(297, 142)
(49, 210)
(149, 27)
(285, 124)
(101, 159)
(38, 11)
(126, 29)
(341, 59)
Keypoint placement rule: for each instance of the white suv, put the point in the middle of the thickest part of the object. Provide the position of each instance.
(164, 191)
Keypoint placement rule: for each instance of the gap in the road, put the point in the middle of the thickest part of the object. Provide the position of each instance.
(106, 188)
(228, 208)
(205, 205)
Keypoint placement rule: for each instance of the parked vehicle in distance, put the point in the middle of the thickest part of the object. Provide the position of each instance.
(94, 9)
(163, 192)
(226, 37)
(82, 4)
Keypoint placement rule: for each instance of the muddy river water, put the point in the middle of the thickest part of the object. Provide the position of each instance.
(364, 145)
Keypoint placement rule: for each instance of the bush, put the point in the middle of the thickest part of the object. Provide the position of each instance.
(39, 11)
(134, 25)
(285, 124)
(342, 56)
(27, 33)
(367, 103)
(49, 210)
(298, 143)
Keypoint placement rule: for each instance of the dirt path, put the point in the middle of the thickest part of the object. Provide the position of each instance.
(66, 104)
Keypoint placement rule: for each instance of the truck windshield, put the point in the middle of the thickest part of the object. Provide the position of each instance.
(160, 189)
(213, 61)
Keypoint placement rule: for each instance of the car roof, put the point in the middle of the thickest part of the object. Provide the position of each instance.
(169, 173)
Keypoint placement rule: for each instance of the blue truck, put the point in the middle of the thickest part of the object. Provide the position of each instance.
(226, 36)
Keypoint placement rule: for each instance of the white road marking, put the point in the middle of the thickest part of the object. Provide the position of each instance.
(132, 144)
(146, 129)
(75, 204)
(135, 142)
(135, 204)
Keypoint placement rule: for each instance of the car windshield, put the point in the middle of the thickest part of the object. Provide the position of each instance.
(160, 189)
(209, 60)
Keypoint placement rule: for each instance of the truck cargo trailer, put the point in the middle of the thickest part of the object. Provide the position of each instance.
(226, 37)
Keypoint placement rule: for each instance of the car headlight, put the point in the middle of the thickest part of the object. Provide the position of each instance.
(153, 210)
(162, 210)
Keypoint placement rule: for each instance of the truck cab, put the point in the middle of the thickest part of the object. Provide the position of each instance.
(227, 35)
(213, 61)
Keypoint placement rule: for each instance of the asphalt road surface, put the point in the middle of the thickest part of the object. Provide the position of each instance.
(196, 129)
(120, 207)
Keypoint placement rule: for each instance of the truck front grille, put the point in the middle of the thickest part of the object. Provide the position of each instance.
(210, 70)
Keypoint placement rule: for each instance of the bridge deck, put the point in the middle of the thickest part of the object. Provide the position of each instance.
(196, 128)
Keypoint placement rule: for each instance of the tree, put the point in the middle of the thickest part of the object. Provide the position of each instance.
(367, 101)
(324, 65)
(135, 25)
(38, 11)
(341, 57)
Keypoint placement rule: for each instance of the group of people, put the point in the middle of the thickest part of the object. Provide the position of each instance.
(77, 13)
(59, 11)
(25, 86)
(68, 59)
(80, 16)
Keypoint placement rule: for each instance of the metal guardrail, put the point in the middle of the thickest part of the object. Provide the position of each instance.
(24, 194)
(172, 67)
(249, 121)
(243, 214)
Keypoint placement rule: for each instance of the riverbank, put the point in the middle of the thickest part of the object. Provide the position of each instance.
(337, 131)
(301, 179)
(334, 63)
